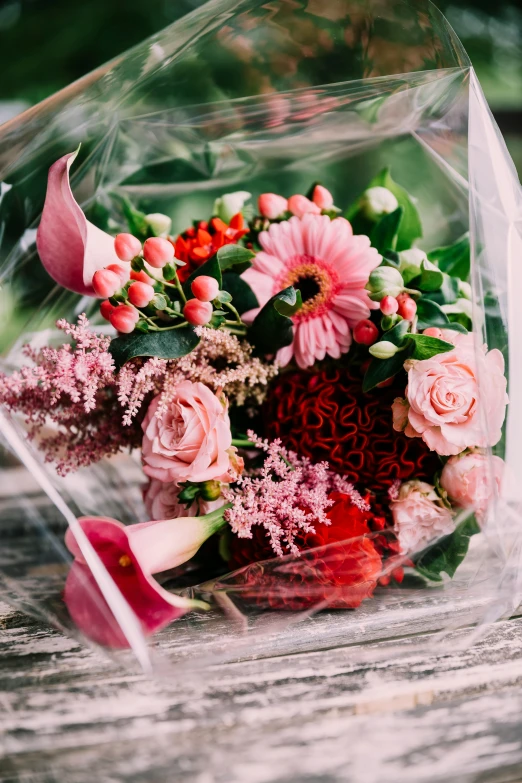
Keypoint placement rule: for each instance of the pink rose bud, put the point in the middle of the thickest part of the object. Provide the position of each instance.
(389, 305)
(407, 307)
(158, 251)
(105, 283)
(106, 309)
(365, 333)
(322, 197)
(473, 480)
(121, 271)
(197, 313)
(142, 276)
(124, 318)
(271, 205)
(205, 288)
(127, 247)
(300, 205)
(140, 294)
(433, 331)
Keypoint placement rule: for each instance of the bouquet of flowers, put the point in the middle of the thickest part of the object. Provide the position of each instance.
(314, 393)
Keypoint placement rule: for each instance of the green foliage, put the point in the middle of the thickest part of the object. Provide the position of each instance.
(454, 259)
(411, 226)
(425, 347)
(429, 313)
(273, 328)
(242, 295)
(447, 554)
(385, 233)
(235, 257)
(171, 344)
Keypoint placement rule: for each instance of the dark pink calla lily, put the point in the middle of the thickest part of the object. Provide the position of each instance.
(70, 247)
(131, 555)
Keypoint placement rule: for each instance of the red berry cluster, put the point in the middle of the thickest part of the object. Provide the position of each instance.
(128, 289)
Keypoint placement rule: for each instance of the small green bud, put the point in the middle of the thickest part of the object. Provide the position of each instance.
(384, 349)
(210, 490)
(159, 224)
(385, 281)
(377, 202)
(389, 321)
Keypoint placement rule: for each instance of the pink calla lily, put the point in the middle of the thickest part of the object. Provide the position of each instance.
(131, 554)
(70, 247)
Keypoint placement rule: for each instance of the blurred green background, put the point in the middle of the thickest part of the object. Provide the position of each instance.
(46, 44)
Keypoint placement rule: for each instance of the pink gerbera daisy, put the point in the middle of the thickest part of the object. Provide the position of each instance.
(330, 266)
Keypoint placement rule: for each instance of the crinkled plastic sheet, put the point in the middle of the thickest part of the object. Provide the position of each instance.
(263, 97)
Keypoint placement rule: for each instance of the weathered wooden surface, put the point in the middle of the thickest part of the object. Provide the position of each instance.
(71, 716)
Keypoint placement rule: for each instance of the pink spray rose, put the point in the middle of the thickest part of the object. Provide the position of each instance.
(472, 480)
(445, 405)
(189, 440)
(419, 516)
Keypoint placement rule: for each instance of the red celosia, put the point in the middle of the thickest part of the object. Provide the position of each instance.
(339, 565)
(198, 243)
(326, 416)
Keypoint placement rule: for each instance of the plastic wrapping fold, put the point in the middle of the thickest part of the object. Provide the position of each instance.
(263, 97)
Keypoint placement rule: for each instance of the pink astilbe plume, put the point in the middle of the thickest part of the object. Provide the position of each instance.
(288, 497)
(68, 399)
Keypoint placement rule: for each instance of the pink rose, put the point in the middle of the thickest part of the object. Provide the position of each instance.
(161, 501)
(419, 516)
(473, 480)
(190, 440)
(457, 400)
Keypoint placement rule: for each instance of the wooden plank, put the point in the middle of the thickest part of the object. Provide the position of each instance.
(313, 716)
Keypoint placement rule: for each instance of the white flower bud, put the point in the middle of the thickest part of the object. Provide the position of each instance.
(384, 349)
(385, 281)
(377, 202)
(410, 262)
(159, 223)
(230, 204)
(464, 289)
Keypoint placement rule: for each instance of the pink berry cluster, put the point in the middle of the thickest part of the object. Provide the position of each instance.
(131, 296)
(272, 206)
(393, 308)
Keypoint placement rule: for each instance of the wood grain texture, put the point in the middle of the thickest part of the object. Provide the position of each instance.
(71, 716)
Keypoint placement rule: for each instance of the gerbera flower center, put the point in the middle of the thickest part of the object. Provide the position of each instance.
(315, 280)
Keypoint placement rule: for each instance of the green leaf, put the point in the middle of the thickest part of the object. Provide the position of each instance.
(159, 302)
(242, 295)
(447, 554)
(210, 268)
(425, 347)
(430, 278)
(382, 369)
(411, 226)
(454, 259)
(396, 335)
(429, 313)
(273, 328)
(384, 234)
(165, 345)
(136, 220)
(235, 256)
(448, 292)
(223, 297)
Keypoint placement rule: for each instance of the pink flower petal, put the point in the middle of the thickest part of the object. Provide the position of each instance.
(71, 249)
(130, 554)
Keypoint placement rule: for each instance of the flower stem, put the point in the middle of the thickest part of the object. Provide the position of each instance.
(243, 443)
(176, 285)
